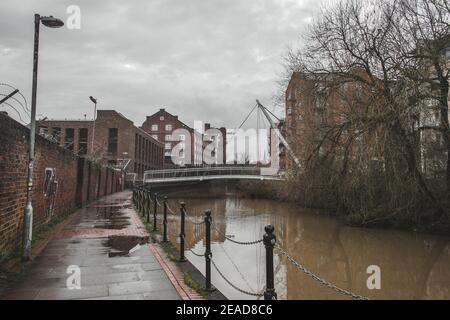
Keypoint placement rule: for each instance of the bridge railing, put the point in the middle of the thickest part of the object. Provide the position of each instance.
(199, 172)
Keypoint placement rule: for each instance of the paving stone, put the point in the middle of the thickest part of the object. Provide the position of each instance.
(67, 294)
(139, 287)
(129, 276)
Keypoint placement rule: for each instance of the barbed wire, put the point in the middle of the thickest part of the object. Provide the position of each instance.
(248, 243)
(18, 113)
(19, 93)
(232, 284)
(315, 277)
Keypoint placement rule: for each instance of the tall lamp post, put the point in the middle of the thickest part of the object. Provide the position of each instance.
(50, 22)
(93, 126)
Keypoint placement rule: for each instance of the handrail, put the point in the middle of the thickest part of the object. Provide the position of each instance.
(192, 172)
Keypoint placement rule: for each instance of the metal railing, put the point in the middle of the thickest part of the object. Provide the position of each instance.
(142, 201)
(200, 172)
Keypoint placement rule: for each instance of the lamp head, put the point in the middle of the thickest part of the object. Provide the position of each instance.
(52, 22)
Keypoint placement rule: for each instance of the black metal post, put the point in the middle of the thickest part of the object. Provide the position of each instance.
(165, 221)
(183, 216)
(269, 240)
(148, 197)
(208, 253)
(155, 208)
(137, 199)
(141, 195)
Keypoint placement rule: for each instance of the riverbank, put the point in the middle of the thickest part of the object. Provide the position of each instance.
(283, 191)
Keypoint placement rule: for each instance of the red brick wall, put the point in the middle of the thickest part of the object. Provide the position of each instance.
(145, 153)
(13, 172)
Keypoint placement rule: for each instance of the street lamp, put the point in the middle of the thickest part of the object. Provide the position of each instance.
(50, 22)
(93, 126)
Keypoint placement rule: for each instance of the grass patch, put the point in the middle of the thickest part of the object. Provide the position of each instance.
(190, 282)
(172, 257)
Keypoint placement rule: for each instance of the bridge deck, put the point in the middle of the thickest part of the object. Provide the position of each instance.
(205, 174)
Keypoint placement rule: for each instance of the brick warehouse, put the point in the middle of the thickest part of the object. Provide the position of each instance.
(62, 181)
(160, 126)
(314, 103)
(115, 138)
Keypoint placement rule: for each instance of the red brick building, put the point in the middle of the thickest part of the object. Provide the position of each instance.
(314, 103)
(161, 126)
(114, 139)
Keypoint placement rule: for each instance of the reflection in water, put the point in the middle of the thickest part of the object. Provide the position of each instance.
(413, 266)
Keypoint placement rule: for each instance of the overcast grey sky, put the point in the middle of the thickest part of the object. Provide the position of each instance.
(201, 59)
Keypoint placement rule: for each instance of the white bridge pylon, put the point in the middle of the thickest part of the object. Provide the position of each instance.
(210, 173)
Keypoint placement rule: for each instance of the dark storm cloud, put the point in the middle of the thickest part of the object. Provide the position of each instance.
(202, 59)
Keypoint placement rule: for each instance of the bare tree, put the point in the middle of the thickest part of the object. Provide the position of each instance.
(386, 61)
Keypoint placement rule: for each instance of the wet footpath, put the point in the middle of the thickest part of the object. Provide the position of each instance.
(102, 253)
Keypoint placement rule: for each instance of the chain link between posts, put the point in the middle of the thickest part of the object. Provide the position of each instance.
(190, 248)
(232, 284)
(315, 277)
(295, 263)
(249, 243)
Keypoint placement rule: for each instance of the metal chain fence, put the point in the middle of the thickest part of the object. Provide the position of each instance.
(237, 242)
(254, 294)
(315, 277)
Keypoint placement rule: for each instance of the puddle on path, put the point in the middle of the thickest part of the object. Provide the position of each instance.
(120, 246)
(111, 218)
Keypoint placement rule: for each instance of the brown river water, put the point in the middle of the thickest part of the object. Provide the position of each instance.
(412, 265)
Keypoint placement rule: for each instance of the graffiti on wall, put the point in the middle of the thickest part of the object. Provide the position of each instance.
(50, 190)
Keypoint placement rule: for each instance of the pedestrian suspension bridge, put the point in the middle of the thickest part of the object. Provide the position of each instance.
(228, 172)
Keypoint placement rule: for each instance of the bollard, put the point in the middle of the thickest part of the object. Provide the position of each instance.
(269, 240)
(208, 253)
(165, 221)
(148, 197)
(155, 208)
(139, 200)
(183, 213)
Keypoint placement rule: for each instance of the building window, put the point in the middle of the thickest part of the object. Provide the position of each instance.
(155, 136)
(154, 127)
(182, 137)
(112, 141)
(82, 141)
(68, 141)
(56, 133)
(43, 130)
(161, 118)
(168, 146)
(168, 137)
(168, 127)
